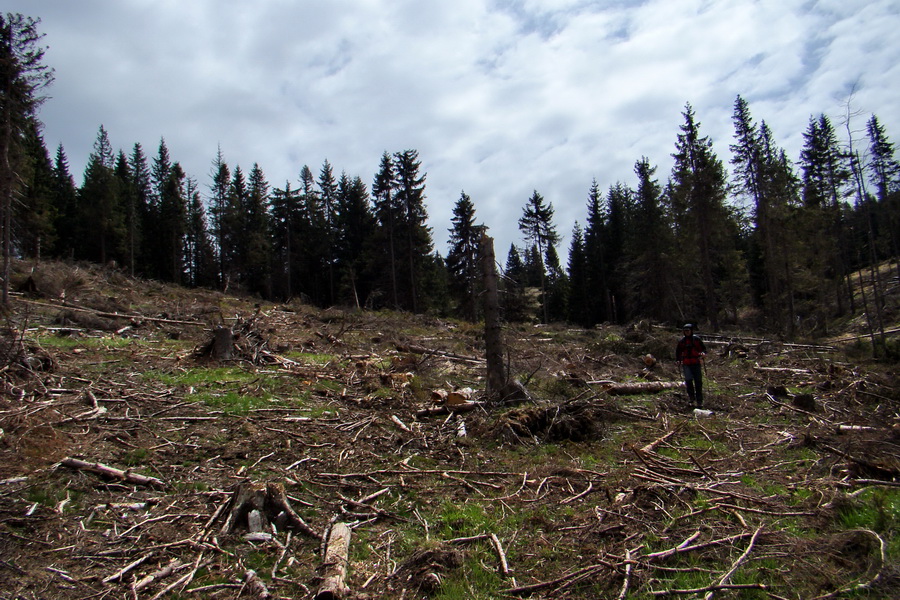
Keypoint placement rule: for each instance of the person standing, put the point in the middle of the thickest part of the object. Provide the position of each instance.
(689, 355)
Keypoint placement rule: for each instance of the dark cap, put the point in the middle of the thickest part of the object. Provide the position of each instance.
(688, 326)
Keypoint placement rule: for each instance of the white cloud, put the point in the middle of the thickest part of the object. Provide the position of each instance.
(500, 97)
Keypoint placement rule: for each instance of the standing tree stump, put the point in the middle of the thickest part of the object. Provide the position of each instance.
(223, 342)
(498, 384)
(496, 370)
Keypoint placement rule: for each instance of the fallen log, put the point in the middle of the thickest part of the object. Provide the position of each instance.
(643, 387)
(107, 471)
(112, 315)
(334, 566)
(431, 352)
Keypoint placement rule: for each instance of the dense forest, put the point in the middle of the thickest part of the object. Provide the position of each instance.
(754, 237)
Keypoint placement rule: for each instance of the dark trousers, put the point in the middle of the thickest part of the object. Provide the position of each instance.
(693, 379)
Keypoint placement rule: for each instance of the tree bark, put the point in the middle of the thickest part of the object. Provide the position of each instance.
(334, 585)
(496, 370)
(101, 469)
(223, 342)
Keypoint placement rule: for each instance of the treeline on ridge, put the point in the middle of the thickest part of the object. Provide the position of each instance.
(772, 244)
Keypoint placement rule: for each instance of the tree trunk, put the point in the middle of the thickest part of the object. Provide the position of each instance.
(496, 370)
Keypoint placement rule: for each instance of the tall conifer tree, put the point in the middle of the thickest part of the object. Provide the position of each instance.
(100, 216)
(697, 192)
(650, 250)
(23, 76)
(463, 259)
(536, 223)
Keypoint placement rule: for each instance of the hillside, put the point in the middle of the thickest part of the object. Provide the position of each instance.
(130, 458)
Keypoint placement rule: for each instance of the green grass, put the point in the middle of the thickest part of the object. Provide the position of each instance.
(476, 578)
(876, 509)
(217, 376)
(232, 403)
(94, 343)
(309, 358)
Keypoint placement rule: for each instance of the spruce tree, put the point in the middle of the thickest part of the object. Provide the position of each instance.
(557, 286)
(23, 76)
(201, 260)
(697, 192)
(142, 188)
(416, 245)
(128, 199)
(463, 259)
(314, 250)
(649, 251)
(218, 206)
(34, 215)
(328, 194)
(826, 175)
(536, 223)
(285, 221)
(884, 173)
(388, 215)
(65, 200)
(765, 177)
(580, 308)
(100, 215)
(512, 285)
(620, 224)
(172, 225)
(355, 229)
(255, 241)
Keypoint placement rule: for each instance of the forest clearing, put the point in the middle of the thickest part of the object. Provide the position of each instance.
(352, 454)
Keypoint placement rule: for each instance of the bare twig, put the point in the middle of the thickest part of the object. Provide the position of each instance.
(734, 567)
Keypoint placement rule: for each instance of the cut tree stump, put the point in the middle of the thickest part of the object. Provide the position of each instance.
(223, 343)
(267, 503)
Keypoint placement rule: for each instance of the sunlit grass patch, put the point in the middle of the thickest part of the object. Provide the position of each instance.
(311, 358)
(232, 403)
(92, 343)
(200, 376)
(877, 509)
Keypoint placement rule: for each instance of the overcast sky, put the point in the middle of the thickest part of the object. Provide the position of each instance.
(499, 97)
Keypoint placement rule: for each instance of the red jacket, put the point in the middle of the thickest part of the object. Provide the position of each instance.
(689, 350)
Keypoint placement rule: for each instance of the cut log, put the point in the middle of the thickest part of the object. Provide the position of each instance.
(447, 409)
(334, 584)
(644, 387)
(459, 397)
(106, 471)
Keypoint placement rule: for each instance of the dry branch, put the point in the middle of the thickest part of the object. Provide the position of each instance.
(106, 471)
(734, 567)
(443, 354)
(109, 315)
